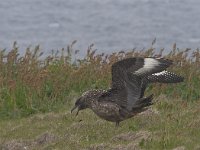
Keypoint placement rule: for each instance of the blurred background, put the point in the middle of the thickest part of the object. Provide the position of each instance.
(112, 25)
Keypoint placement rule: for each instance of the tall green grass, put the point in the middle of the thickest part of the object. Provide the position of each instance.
(34, 82)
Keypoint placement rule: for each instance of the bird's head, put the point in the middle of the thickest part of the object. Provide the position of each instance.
(85, 100)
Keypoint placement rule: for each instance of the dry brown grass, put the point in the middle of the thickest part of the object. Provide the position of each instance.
(32, 82)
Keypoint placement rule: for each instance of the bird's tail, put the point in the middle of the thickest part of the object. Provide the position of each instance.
(142, 103)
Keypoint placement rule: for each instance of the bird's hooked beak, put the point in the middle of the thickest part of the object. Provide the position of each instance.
(78, 108)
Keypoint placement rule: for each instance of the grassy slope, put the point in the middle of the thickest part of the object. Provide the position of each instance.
(175, 124)
(36, 96)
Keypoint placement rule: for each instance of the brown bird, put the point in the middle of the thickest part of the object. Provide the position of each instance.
(130, 78)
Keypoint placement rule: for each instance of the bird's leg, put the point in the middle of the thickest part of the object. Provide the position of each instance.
(117, 124)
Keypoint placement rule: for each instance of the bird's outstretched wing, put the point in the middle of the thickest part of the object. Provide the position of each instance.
(127, 78)
(165, 77)
(161, 77)
(141, 67)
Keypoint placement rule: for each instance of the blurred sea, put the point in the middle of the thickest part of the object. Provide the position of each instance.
(112, 25)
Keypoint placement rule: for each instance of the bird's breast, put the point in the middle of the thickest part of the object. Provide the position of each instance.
(108, 111)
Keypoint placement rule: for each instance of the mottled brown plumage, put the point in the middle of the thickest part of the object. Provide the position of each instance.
(130, 78)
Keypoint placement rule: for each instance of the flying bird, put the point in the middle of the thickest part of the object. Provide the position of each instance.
(125, 98)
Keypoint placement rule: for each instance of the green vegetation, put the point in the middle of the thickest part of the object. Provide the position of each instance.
(37, 92)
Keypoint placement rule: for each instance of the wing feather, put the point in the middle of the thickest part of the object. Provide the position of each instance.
(127, 76)
(165, 77)
(139, 66)
(161, 77)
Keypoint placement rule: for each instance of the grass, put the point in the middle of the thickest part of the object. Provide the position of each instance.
(176, 124)
(37, 92)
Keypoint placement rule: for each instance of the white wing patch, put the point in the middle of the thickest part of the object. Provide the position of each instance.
(149, 64)
(161, 73)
